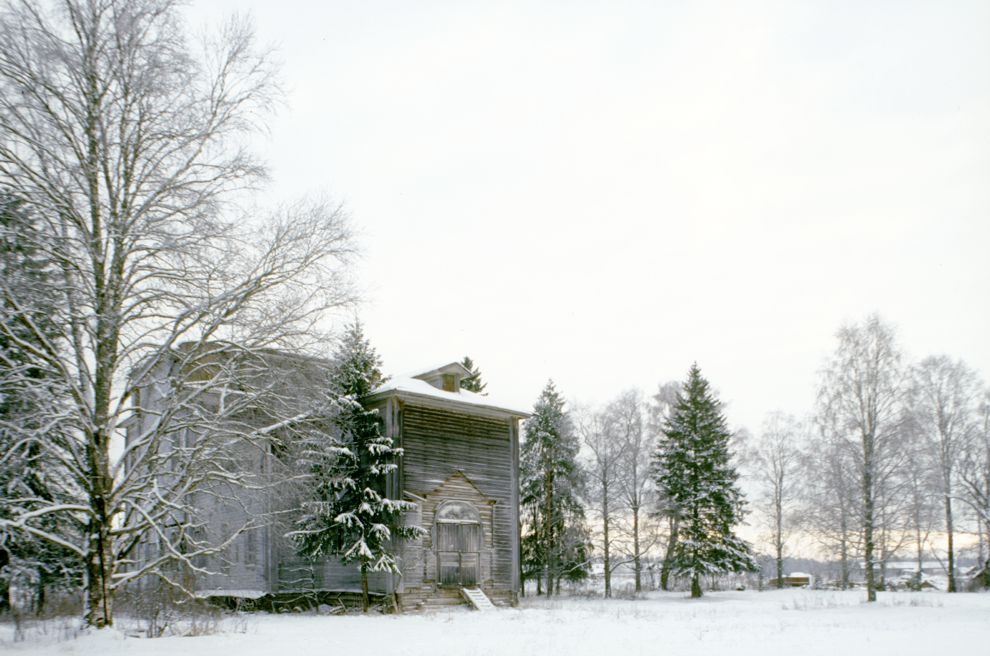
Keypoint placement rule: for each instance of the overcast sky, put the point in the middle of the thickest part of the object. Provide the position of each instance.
(606, 192)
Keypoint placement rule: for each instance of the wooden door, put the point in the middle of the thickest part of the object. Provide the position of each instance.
(458, 553)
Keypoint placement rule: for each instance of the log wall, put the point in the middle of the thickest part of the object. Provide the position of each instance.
(451, 455)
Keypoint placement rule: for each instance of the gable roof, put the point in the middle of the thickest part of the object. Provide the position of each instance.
(453, 368)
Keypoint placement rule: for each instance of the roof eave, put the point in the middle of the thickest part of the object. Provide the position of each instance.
(438, 402)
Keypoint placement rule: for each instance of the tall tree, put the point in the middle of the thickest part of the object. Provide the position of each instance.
(472, 383)
(830, 496)
(919, 480)
(603, 467)
(862, 388)
(127, 145)
(29, 477)
(774, 458)
(662, 405)
(349, 515)
(697, 479)
(551, 487)
(943, 396)
(892, 509)
(635, 482)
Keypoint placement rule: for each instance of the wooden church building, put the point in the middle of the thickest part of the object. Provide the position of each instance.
(460, 467)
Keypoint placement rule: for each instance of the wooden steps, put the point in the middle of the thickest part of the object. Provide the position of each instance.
(478, 599)
(446, 599)
(434, 600)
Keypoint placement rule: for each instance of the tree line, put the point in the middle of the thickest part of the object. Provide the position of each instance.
(893, 460)
(652, 477)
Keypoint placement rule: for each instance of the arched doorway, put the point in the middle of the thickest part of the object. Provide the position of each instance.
(458, 544)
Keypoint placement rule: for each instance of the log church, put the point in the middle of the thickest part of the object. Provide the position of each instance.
(459, 467)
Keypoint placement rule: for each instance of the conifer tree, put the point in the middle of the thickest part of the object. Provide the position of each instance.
(472, 383)
(29, 474)
(556, 544)
(698, 482)
(349, 515)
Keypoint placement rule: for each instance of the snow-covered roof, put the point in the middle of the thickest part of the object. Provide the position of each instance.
(411, 385)
(450, 368)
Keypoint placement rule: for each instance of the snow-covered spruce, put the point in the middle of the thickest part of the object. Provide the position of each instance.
(555, 542)
(698, 482)
(348, 515)
(32, 478)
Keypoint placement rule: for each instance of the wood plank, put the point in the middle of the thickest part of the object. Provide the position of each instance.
(477, 599)
(440, 443)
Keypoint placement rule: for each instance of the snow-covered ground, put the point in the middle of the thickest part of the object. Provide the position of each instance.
(792, 622)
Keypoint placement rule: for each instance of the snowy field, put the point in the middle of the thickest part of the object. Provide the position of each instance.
(792, 622)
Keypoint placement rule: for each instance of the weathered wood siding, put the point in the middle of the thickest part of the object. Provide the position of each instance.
(243, 567)
(294, 573)
(454, 455)
(450, 454)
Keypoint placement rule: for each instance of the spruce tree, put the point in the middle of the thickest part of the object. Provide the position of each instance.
(349, 516)
(556, 544)
(472, 383)
(699, 485)
(31, 469)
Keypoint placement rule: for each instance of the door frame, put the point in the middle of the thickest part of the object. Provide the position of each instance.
(474, 519)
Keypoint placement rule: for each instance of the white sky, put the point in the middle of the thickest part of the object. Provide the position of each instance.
(605, 192)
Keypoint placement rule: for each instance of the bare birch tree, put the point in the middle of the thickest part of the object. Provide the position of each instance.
(126, 142)
(862, 389)
(829, 495)
(919, 479)
(774, 459)
(893, 508)
(635, 481)
(602, 464)
(943, 398)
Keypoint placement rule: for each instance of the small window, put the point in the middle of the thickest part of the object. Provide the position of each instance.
(225, 557)
(457, 511)
(449, 383)
(250, 548)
